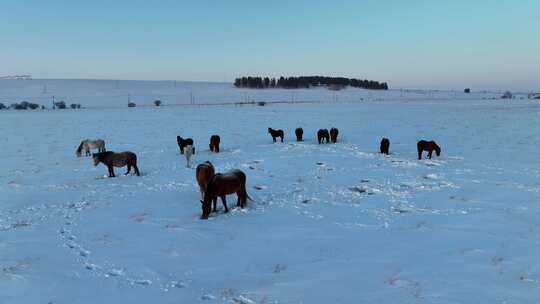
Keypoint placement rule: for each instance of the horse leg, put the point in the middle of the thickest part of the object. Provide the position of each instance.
(214, 202)
(274, 138)
(281, 138)
(244, 198)
(224, 203)
(136, 170)
(429, 154)
(217, 148)
(111, 171)
(239, 194)
(128, 169)
(419, 154)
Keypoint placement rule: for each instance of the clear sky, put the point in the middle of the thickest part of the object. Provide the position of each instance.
(483, 44)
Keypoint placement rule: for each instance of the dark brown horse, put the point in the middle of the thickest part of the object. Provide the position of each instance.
(385, 145)
(333, 135)
(214, 143)
(111, 159)
(183, 142)
(299, 133)
(230, 182)
(276, 133)
(322, 135)
(204, 174)
(428, 146)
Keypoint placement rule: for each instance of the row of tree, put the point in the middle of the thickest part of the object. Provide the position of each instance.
(25, 105)
(307, 82)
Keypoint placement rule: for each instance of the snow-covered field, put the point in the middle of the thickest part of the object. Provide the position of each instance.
(336, 223)
(116, 93)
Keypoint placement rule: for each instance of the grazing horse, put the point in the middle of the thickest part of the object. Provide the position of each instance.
(182, 142)
(276, 133)
(204, 174)
(111, 159)
(188, 152)
(322, 135)
(88, 144)
(385, 145)
(233, 181)
(333, 135)
(214, 143)
(429, 146)
(299, 133)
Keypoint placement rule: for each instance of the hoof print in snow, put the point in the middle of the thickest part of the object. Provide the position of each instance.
(400, 210)
(90, 266)
(279, 268)
(141, 282)
(358, 189)
(176, 284)
(115, 272)
(207, 297)
(259, 187)
(243, 300)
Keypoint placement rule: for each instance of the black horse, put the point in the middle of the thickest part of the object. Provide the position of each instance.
(385, 145)
(183, 142)
(214, 143)
(333, 135)
(299, 133)
(322, 135)
(276, 133)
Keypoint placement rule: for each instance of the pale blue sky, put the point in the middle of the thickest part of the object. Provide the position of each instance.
(483, 44)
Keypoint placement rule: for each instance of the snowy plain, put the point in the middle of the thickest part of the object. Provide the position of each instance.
(331, 223)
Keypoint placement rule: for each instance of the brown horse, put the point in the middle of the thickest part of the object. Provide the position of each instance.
(428, 146)
(333, 135)
(276, 133)
(214, 143)
(233, 181)
(322, 135)
(385, 145)
(204, 174)
(299, 133)
(184, 142)
(111, 159)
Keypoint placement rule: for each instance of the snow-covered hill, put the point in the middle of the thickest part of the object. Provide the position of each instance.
(116, 93)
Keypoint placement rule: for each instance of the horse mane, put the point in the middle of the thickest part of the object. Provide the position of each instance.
(79, 149)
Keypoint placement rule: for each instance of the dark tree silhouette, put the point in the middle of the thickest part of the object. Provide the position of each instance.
(307, 82)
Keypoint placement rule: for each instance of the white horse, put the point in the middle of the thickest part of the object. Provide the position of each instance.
(88, 144)
(188, 152)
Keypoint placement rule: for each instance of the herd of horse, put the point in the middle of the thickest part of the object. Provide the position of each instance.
(214, 185)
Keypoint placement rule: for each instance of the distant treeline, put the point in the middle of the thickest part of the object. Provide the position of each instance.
(307, 82)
